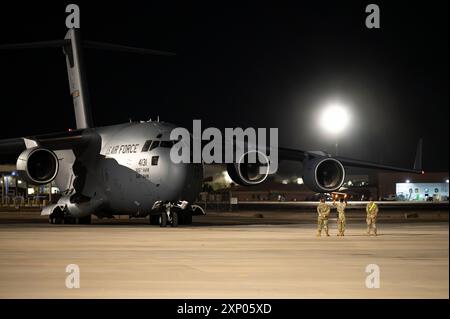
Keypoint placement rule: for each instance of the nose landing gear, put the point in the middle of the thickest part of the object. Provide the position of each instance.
(168, 216)
(171, 214)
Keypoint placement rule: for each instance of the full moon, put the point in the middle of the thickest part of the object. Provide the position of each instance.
(334, 119)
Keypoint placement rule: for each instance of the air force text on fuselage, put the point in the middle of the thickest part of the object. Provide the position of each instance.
(123, 149)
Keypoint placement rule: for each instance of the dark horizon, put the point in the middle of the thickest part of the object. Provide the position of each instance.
(243, 66)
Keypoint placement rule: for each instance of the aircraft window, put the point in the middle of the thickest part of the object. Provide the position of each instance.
(146, 146)
(166, 144)
(155, 160)
(155, 144)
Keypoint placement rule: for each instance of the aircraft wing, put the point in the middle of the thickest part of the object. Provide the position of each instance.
(12, 146)
(371, 165)
(76, 140)
(299, 155)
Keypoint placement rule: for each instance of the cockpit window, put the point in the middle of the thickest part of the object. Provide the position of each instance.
(146, 146)
(166, 144)
(155, 144)
(152, 144)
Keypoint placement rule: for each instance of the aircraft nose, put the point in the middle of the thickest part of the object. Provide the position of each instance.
(177, 181)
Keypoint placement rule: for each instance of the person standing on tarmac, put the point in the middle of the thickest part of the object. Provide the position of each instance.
(371, 219)
(340, 206)
(323, 211)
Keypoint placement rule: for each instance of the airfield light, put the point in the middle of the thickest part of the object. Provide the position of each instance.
(408, 181)
(446, 181)
(334, 118)
(299, 180)
(284, 181)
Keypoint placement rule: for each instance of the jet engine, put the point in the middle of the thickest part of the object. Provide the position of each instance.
(323, 174)
(246, 173)
(37, 165)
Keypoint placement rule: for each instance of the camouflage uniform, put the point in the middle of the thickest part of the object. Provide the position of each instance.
(341, 217)
(323, 211)
(372, 212)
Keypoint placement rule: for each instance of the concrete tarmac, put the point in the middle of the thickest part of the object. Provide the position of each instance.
(211, 259)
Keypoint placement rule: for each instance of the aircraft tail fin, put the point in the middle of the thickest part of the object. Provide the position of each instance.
(72, 46)
(77, 79)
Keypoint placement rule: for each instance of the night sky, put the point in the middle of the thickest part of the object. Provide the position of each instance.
(254, 65)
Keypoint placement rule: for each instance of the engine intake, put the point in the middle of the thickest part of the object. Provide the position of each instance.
(38, 165)
(323, 174)
(246, 173)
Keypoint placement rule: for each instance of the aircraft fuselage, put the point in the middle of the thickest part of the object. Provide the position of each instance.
(132, 171)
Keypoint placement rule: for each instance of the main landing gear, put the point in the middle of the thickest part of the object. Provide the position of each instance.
(59, 217)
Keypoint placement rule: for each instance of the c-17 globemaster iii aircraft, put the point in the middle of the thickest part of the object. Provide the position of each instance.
(127, 169)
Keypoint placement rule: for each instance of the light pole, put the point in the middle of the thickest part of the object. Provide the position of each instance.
(3, 188)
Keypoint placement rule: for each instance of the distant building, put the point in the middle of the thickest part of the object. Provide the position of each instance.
(270, 191)
(406, 186)
(422, 191)
(403, 186)
(13, 187)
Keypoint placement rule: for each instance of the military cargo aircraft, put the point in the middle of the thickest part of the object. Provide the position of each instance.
(126, 168)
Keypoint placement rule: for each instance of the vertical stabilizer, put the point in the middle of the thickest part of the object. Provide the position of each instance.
(72, 47)
(77, 80)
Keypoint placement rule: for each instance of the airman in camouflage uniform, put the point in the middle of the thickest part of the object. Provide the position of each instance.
(323, 211)
(371, 219)
(341, 215)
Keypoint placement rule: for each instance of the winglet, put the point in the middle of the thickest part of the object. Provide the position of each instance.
(418, 159)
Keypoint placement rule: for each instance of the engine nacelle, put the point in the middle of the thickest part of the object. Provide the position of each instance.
(323, 174)
(246, 173)
(37, 165)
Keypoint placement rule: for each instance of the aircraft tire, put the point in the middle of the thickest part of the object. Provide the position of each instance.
(187, 218)
(163, 219)
(154, 219)
(70, 220)
(174, 219)
(57, 216)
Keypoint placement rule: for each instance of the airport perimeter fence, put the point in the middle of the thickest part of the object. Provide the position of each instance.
(212, 205)
(20, 202)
